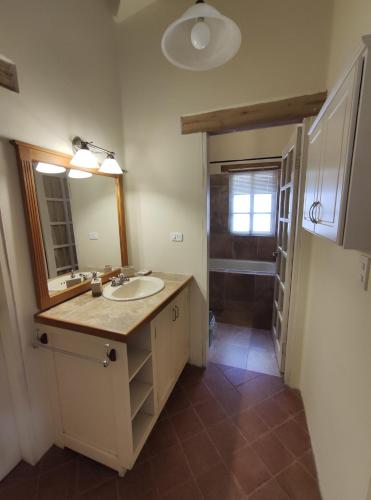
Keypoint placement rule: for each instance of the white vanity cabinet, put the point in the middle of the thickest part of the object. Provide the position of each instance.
(337, 198)
(106, 395)
(170, 330)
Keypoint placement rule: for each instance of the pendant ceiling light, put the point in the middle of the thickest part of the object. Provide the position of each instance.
(201, 39)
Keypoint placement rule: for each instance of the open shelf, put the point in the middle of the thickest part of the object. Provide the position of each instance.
(139, 391)
(136, 359)
(141, 424)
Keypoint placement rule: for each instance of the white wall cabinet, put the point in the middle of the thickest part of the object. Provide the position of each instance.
(337, 198)
(107, 413)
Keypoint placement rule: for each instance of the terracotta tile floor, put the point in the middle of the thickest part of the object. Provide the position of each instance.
(243, 347)
(225, 434)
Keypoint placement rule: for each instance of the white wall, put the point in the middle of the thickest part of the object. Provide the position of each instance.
(336, 364)
(263, 142)
(165, 180)
(66, 58)
(94, 210)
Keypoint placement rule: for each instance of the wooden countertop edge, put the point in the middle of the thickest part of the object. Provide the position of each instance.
(109, 334)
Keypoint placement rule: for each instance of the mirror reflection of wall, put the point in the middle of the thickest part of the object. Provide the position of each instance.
(80, 227)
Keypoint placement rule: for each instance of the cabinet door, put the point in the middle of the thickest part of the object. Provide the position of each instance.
(337, 146)
(312, 175)
(180, 338)
(164, 366)
(90, 402)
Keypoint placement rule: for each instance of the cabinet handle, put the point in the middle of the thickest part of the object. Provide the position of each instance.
(317, 204)
(176, 312)
(310, 212)
(173, 314)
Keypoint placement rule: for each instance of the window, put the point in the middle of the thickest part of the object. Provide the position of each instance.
(253, 202)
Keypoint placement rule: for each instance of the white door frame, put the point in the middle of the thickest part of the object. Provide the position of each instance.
(294, 335)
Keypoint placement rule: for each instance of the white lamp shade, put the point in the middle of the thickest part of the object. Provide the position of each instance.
(225, 39)
(49, 168)
(84, 158)
(78, 174)
(110, 166)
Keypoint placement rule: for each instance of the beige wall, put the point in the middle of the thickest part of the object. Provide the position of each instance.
(94, 210)
(336, 365)
(264, 142)
(165, 180)
(66, 58)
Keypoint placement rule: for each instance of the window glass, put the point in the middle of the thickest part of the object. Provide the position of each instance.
(253, 201)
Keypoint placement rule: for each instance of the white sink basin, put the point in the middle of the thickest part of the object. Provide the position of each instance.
(137, 288)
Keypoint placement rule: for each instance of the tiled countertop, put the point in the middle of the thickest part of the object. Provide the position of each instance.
(111, 319)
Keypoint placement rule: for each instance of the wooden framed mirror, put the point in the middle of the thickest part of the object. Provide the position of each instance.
(75, 225)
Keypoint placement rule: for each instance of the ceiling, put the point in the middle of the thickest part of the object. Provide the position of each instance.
(127, 8)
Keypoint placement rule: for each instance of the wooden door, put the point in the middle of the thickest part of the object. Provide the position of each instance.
(162, 325)
(338, 141)
(287, 220)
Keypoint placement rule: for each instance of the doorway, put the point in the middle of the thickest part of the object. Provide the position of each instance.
(252, 226)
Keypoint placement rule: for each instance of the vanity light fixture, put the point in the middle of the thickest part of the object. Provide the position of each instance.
(84, 157)
(201, 39)
(110, 165)
(78, 174)
(49, 168)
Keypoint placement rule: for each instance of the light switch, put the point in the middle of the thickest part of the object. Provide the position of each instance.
(177, 237)
(365, 271)
(93, 236)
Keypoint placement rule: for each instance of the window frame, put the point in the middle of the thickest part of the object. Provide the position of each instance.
(273, 213)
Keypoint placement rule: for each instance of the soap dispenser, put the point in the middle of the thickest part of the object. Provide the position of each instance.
(96, 285)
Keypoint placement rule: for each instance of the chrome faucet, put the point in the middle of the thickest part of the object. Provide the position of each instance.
(119, 280)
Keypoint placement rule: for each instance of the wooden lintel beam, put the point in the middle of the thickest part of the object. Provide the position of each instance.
(265, 114)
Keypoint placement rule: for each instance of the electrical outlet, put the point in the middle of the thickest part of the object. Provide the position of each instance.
(177, 237)
(365, 271)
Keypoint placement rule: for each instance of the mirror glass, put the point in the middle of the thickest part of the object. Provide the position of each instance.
(80, 227)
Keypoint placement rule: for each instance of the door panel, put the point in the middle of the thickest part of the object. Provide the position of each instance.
(337, 122)
(9, 445)
(181, 337)
(164, 368)
(291, 161)
(312, 176)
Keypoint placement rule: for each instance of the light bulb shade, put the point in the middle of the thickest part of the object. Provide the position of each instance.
(177, 41)
(49, 168)
(110, 166)
(78, 174)
(84, 158)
